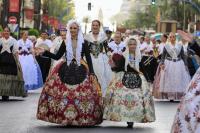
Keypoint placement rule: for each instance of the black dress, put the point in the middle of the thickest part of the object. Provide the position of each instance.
(11, 79)
(45, 64)
(95, 49)
(8, 64)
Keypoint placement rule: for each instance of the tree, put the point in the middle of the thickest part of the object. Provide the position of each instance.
(33, 32)
(142, 19)
(169, 10)
(62, 9)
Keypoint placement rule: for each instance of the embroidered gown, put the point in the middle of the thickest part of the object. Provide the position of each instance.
(30, 68)
(187, 116)
(98, 49)
(11, 79)
(70, 95)
(124, 103)
(175, 77)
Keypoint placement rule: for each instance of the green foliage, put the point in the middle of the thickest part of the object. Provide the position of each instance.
(1, 29)
(33, 32)
(142, 19)
(169, 10)
(62, 9)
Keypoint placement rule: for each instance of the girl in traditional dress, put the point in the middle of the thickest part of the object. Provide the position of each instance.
(11, 79)
(175, 77)
(116, 46)
(31, 71)
(97, 42)
(71, 95)
(128, 98)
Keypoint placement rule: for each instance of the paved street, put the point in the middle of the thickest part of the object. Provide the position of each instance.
(18, 116)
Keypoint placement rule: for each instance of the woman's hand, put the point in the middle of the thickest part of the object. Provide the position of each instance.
(39, 51)
(162, 67)
(186, 36)
(92, 76)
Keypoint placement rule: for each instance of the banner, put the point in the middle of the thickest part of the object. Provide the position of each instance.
(14, 6)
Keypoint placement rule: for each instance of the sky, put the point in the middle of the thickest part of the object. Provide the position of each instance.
(109, 8)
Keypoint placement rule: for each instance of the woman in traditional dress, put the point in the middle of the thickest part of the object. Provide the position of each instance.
(71, 95)
(188, 113)
(11, 79)
(175, 77)
(187, 116)
(156, 82)
(128, 98)
(97, 42)
(44, 62)
(31, 71)
(133, 55)
(148, 64)
(190, 57)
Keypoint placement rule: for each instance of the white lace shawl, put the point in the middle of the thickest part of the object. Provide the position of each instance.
(80, 40)
(117, 48)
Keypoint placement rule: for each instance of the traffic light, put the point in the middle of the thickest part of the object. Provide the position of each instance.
(153, 2)
(89, 6)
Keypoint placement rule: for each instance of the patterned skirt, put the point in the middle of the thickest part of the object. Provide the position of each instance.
(156, 83)
(11, 78)
(174, 80)
(31, 72)
(78, 104)
(128, 105)
(187, 119)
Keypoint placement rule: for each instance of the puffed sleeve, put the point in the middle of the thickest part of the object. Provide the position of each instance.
(183, 57)
(15, 46)
(86, 53)
(163, 56)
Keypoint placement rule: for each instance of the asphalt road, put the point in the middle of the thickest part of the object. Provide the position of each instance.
(19, 116)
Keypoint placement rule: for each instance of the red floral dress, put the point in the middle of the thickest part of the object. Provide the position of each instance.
(78, 104)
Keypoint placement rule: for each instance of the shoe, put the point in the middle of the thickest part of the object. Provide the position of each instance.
(171, 101)
(130, 124)
(5, 98)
